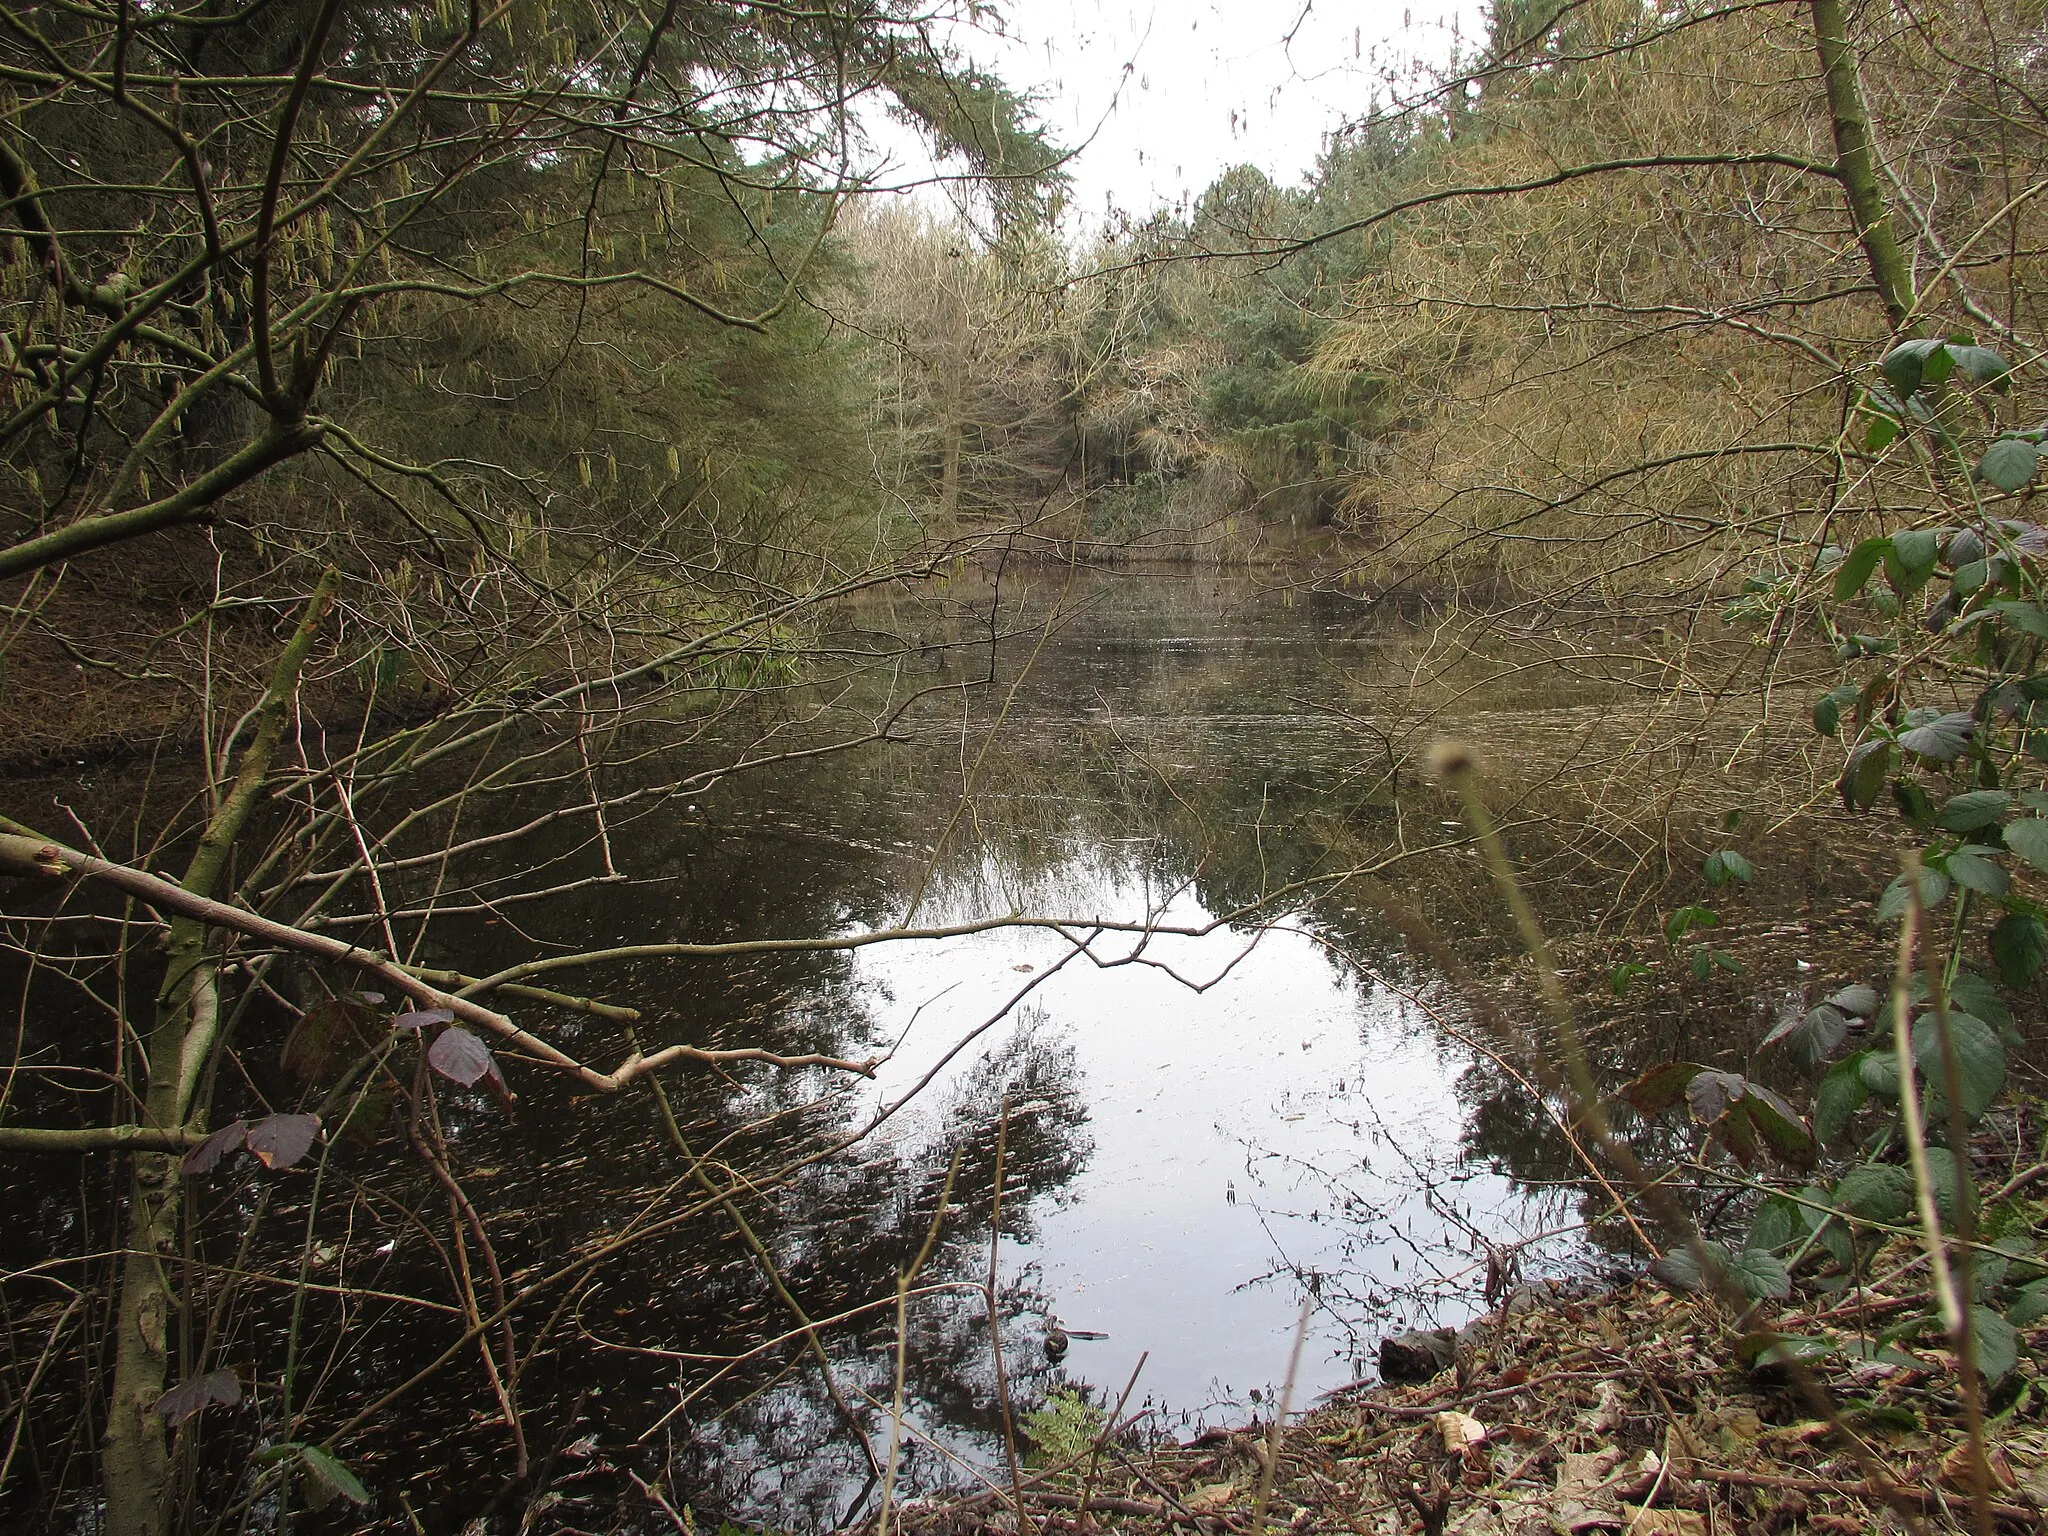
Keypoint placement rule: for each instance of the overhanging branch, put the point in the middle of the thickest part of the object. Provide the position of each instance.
(42, 858)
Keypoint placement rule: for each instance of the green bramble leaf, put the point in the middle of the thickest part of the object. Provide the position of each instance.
(336, 1478)
(1776, 1226)
(1828, 709)
(1972, 994)
(1980, 365)
(1760, 1274)
(1912, 366)
(1623, 974)
(2029, 839)
(1841, 1093)
(1934, 889)
(1974, 872)
(1974, 810)
(2029, 1306)
(2019, 946)
(2009, 464)
(1863, 775)
(2024, 617)
(1809, 1038)
(1980, 1059)
(1879, 1192)
(1996, 1346)
(1858, 566)
(1726, 865)
(1916, 550)
(1936, 735)
(1685, 919)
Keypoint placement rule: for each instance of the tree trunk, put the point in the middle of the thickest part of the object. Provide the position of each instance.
(949, 456)
(1856, 162)
(138, 1469)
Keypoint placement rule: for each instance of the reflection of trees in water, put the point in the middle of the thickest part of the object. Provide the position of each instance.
(656, 1323)
(1155, 763)
(609, 1352)
(848, 1230)
(1399, 1241)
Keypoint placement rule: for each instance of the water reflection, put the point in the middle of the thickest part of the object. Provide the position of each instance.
(1261, 1119)
(1201, 1129)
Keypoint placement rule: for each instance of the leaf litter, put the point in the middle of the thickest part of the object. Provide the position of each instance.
(1631, 1412)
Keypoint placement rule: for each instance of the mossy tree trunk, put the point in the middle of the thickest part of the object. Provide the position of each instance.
(138, 1465)
(1856, 162)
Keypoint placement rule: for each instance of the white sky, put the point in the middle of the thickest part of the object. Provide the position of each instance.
(1174, 93)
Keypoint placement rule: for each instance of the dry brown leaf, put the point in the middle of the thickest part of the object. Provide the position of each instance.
(1459, 1431)
(2035, 1481)
(1581, 1473)
(1584, 1502)
(1955, 1468)
(1664, 1522)
(1805, 1432)
(1634, 1478)
(1608, 1413)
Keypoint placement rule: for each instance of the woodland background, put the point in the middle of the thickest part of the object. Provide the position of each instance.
(418, 410)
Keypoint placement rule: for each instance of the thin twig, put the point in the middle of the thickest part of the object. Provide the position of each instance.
(903, 1284)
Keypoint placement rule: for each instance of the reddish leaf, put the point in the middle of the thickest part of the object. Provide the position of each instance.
(197, 1392)
(1660, 1087)
(202, 1158)
(1737, 1132)
(282, 1140)
(1780, 1126)
(462, 1058)
(1712, 1094)
(420, 1018)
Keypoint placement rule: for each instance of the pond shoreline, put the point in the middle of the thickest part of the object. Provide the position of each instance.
(1625, 1410)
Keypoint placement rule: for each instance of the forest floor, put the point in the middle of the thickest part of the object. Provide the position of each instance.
(1626, 1412)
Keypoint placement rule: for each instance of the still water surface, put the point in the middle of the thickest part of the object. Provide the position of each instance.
(1237, 1094)
(1243, 1117)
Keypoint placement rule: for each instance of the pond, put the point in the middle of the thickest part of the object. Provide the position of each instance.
(1211, 1119)
(1219, 1085)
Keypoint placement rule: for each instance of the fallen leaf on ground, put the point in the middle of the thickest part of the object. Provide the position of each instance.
(1637, 1476)
(1955, 1468)
(1664, 1522)
(1608, 1413)
(1459, 1430)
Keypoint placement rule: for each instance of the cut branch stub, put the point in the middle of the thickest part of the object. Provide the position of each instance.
(197, 1392)
(282, 1140)
(462, 1058)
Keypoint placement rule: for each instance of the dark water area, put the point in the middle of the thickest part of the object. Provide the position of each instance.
(1203, 1129)
(1207, 1121)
